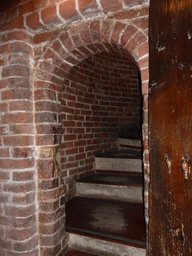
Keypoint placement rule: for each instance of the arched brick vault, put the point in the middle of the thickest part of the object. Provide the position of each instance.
(65, 50)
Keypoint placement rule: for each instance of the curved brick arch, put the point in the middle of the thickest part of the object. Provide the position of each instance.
(66, 50)
(80, 42)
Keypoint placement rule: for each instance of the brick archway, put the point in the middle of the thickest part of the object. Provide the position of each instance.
(61, 54)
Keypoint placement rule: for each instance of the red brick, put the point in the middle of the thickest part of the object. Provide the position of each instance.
(4, 49)
(51, 228)
(19, 211)
(49, 14)
(25, 199)
(49, 206)
(18, 141)
(24, 222)
(106, 28)
(138, 39)
(21, 129)
(117, 32)
(16, 187)
(48, 184)
(45, 36)
(88, 7)
(46, 169)
(95, 30)
(32, 21)
(44, 94)
(66, 41)
(59, 49)
(145, 88)
(46, 140)
(16, 164)
(47, 106)
(28, 245)
(127, 35)
(3, 84)
(85, 36)
(144, 63)
(143, 49)
(20, 105)
(5, 245)
(68, 12)
(145, 74)
(4, 152)
(4, 175)
(114, 5)
(130, 3)
(18, 35)
(51, 240)
(21, 47)
(16, 94)
(51, 250)
(21, 234)
(46, 117)
(23, 176)
(49, 217)
(142, 23)
(18, 82)
(4, 107)
(49, 195)
(15, 70)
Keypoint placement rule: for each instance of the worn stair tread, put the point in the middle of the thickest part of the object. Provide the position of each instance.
(113, 179)
(108, 219)
(128, 153)
(78, 253)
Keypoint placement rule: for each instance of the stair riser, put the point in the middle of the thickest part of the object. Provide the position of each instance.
(121, 164)
(103, 247)
(116, 192)
(130, 142)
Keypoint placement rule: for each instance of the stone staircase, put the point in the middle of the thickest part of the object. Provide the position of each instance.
(106, 217)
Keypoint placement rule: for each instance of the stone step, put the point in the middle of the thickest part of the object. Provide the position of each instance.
(130, 142)
(119, 164)
(127, 187)
(106, 227)
(103, 247)
(78, 253)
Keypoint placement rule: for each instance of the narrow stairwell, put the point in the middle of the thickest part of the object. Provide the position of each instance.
(106, 217)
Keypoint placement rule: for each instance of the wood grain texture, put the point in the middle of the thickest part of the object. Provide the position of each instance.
(110, 219)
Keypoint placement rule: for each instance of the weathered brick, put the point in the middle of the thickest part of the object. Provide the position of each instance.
(127, 35)
(27, 198)
(18, 141)
(68, 11)
(46, 168)
(19, 188)
(15, 70)
(4, 175)
(28, 245)
(117, 32)
(56, 46)
(16, 94)
(23, 176)
(113, 6)
(88, 7)
(32, 21)
(19, 211)
(49, 14)
(21, 234)
(21, 48)
(16, 164)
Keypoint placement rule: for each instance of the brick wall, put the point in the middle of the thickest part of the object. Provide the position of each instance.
(41, 43)
(101, 100)
(18, 210)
